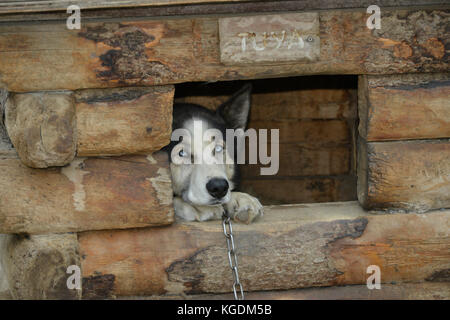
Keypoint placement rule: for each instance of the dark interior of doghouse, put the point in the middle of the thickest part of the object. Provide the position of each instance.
(317, 120)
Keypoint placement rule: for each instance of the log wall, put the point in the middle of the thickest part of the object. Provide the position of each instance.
(404, 146)
(66, 103)
(88, 194)
(294, 246)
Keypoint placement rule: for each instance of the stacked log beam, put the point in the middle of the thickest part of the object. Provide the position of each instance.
(396, 291)
(184, 7)
(290, 247)
(89, 193)
(48, 56)
(73, 136)
(51, 128)
(124, 120)
(404, 146)
(293, 246)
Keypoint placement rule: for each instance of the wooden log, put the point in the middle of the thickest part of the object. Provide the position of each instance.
(47, 129)
(308, 132)
(4, 285)
(273, 101)
(36, 266)
(61, 5)
(20, 6)
(290, 247)
(111, 54)
(401, 291)
(89, 194)
(5, 143)
(311, 103)
(401, 107)
(42, 128)
(56, 10)
(406, 175)
(397, 291)
(297, 159)
(301, 189)
(123, 121)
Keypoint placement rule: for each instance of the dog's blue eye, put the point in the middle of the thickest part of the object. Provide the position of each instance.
(218, 148)
(182, 153)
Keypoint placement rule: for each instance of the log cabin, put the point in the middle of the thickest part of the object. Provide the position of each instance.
(364, 119)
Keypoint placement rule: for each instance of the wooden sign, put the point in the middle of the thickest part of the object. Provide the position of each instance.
(269, 38)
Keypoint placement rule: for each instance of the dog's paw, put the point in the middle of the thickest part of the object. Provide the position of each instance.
(184, 210)
(243, 207)
(190, 212)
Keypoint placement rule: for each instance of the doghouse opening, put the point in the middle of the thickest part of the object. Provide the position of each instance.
(317, 121)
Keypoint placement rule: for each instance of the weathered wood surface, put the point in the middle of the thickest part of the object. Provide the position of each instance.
(284, 99)
(290, 247)
(306, 103)
(297, 159)
(48, 128)
(89, 194)
(4, 285)
(61, 5)
(124, 120)
(134, 8)
(6, 146)
(269, 38)
(408, 175)
(400, 107)
(35, 266)
(400, 291)
(111, 54)
(42, 127)
(313, 132)
(285, 190)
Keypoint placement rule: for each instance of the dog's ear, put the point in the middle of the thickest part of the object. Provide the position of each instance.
(235, 111)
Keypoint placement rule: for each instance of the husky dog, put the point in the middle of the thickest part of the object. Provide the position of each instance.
(204, 191)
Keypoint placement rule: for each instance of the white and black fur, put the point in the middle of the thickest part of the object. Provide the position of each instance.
(205, 191)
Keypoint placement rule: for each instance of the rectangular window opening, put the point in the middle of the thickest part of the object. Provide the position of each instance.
(317, 121)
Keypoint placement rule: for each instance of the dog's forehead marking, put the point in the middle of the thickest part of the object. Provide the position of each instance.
(196, 123)
(197, 127)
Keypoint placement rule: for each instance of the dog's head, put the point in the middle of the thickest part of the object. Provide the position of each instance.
(197, 176)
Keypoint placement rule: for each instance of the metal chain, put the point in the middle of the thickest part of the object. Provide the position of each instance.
(232, 258)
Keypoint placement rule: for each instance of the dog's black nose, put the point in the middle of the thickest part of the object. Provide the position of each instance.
(217, 187)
